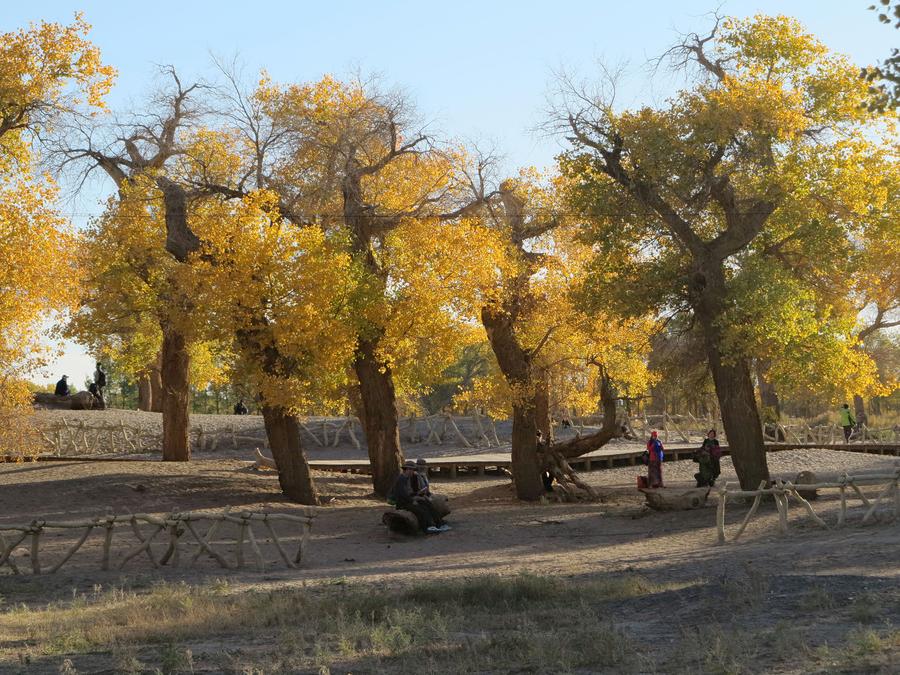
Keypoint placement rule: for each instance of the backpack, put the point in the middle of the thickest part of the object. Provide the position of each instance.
(645, 457)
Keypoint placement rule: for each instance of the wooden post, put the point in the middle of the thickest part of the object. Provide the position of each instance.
(239, 552)
(842, 514)
(720, 513)
(71, 551)
(806, 505)
(756, 501)
(107, 543)
(35, 548)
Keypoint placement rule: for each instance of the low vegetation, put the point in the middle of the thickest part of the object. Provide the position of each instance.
(521, 623)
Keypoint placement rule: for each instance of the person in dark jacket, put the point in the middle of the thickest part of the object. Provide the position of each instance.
(62, 387)
(240, 408)
(420, 483)
(405, 497)
(708, 457)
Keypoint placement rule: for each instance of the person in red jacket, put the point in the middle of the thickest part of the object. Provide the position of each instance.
(654, 466)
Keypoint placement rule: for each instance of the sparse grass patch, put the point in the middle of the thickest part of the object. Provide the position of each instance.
(866, 608)
(515, 623)
(816, 599)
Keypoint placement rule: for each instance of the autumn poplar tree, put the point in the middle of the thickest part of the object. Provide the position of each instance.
(142, 157)
(381, 180)
(45, 70)
(541, 341)
(689, 189)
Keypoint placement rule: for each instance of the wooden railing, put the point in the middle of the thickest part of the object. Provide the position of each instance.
(783, 491)
(171, 528)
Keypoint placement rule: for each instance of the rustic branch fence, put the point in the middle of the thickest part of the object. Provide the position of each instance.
(783, 491)
(170, 529)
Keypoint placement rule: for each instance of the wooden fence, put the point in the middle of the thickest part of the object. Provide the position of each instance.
(783, 491)
(171, 528)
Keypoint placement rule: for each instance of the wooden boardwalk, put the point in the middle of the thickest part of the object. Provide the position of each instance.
(604, 458)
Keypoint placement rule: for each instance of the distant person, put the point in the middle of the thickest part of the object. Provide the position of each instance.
(847, 421)
(240, 408)
(99, 384)
(654, 461)
(62, 387)
(708, 457)
(404, 497)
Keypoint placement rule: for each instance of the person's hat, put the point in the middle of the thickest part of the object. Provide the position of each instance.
(421, 462)
(65, 377)
(409, 464)
(653, 433)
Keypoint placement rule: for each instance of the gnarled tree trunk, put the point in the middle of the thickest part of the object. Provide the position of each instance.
(176, 396)
(515, 364)
(145, 393)
(380, 419)
(768, 395)
(581, 445)
(283, 432)
(731, 375)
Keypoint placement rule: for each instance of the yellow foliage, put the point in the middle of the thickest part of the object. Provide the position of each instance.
(42, 69)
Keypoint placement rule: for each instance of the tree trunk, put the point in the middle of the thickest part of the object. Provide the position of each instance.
(731, 376)
(156, 390)
(515, 364)
(859, 409)
(145, 393)
(283, 432)
(380, 419)
(581, 445)
(176, 396)
(542, 407)
(768, 396)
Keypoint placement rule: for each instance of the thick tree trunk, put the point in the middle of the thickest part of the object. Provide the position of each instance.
(380, 419)
(542, 407)
(145, 394)
(731, 376)
(283, 432)
(156, 390)
(176, 397)
(515, 364)
(768, 396)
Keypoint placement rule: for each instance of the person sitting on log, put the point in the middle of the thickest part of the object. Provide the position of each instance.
(62, 387)
(654, 461)
(404, 497)
(420, 483)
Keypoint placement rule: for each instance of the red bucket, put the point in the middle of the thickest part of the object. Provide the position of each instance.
(642, 482)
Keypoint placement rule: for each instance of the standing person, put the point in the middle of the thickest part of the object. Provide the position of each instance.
(240, 408)
(847, 421)
(654, 466)
(100, 382)
(62, 387)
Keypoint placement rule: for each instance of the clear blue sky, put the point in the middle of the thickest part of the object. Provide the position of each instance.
(477, 70)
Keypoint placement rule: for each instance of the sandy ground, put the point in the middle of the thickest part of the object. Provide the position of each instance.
(492, 534)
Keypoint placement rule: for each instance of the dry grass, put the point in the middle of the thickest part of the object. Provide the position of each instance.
(483, 624)
(490, 624)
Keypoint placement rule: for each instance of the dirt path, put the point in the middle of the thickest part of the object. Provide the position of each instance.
(758, 584)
